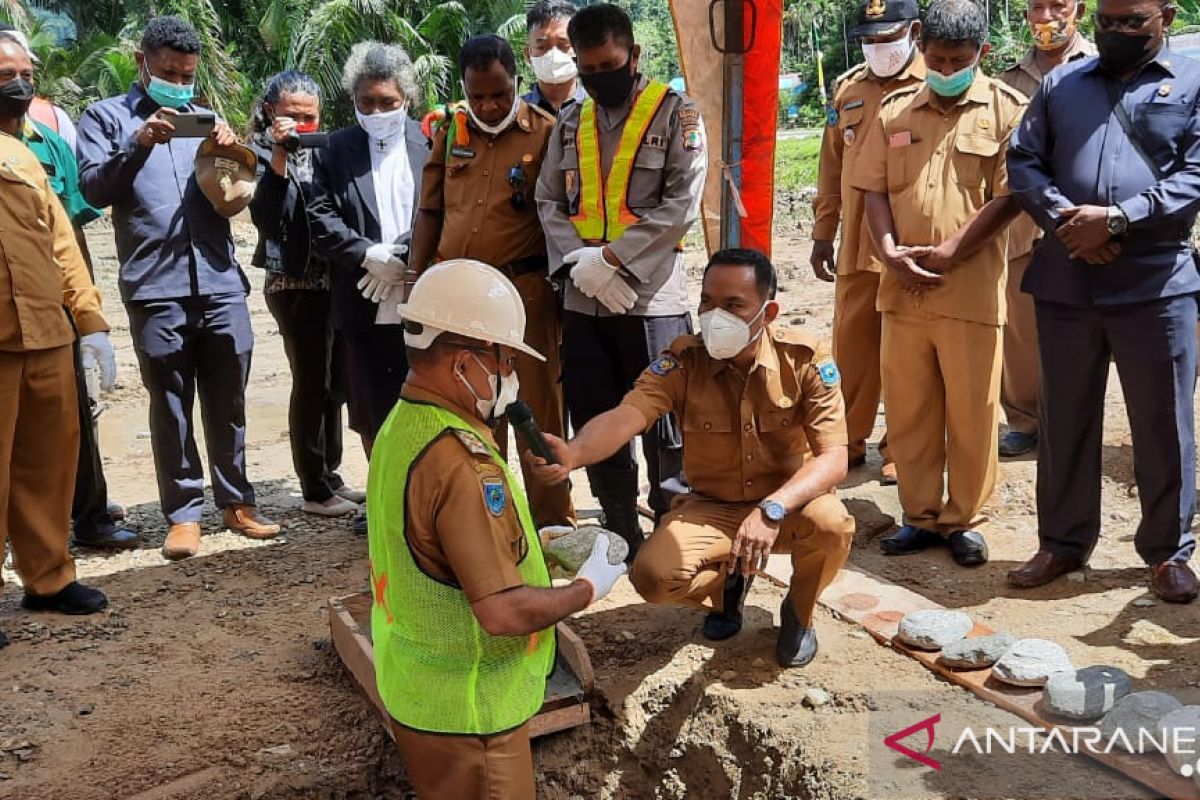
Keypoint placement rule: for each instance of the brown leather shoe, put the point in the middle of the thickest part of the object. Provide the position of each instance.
(249, 523)
(1041, 569)
(887, 474)
(1174, 582)
(183, 541)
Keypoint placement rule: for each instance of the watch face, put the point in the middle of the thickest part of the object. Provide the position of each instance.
(773, 511)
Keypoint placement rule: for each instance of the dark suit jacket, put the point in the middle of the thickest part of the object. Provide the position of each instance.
(344, 218)
(279, 213)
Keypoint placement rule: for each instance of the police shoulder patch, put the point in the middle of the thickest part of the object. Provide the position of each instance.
(494, 495)
(664, 365)
(828, 371)
(831, 116)
(473, 443)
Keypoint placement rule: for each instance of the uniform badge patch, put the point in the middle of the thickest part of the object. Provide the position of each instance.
(473, 443)
(663, 365)
(831, 116)
(693, 140)
(829, 373)
(462, 152)
(494, 496)
(848, 136)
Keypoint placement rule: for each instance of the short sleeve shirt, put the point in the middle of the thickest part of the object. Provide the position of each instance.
(456, 535)
(746, 434)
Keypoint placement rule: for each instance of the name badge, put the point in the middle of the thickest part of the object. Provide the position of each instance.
(462, 152)
(900, 139)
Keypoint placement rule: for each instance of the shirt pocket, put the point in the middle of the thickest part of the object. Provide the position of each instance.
(901, 167)
(23, 197)
(457, 191)
(1159, 127)
(974, 159)
(782, 436)
(645, 180)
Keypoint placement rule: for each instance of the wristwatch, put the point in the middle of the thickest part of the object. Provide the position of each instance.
(773, 512)
(1117, 222)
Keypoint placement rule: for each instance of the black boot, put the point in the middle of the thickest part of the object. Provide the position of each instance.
(617, 492)
(727, 622)
(797, 645)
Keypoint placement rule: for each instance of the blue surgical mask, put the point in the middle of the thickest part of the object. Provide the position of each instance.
(170, 95)
(951, 85)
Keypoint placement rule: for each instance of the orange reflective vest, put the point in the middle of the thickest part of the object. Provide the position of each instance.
(604, 211)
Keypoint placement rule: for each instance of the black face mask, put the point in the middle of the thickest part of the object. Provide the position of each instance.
(1120, 51)
(611, 88)
(15, 97)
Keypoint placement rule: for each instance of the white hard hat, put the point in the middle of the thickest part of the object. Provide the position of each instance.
(469, 298)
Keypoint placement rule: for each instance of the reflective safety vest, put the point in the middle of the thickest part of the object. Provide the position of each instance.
(436, 668)
(604, 211)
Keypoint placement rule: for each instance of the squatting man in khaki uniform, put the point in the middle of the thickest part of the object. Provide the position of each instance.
(754, 401)
(464, 613)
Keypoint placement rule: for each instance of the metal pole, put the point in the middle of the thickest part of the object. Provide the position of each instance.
(731, 140)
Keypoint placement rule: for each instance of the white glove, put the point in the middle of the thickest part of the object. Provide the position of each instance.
(591, 272)
(597, 571)
(95, 348)
(374, 289)
(617, 296)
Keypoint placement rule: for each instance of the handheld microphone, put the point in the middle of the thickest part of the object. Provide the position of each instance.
(520, 416)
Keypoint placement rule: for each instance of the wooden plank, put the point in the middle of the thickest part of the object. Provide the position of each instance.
(566, 704)
(878, 606)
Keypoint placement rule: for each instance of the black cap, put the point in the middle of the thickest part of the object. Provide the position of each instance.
(884, 17)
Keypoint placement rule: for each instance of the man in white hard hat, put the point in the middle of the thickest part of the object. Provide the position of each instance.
(464, 613)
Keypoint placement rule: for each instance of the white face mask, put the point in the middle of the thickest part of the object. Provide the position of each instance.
(554, 67)
(386, 125)
(505, 389)
(887, 59)
(499, 127)
(725, 334)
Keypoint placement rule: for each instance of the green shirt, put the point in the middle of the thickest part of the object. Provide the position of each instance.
(55, 155)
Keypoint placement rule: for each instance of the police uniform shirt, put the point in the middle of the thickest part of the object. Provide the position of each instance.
(41, 268)
(745, 435)
(855, 107)
(1026, 78)
(665, 189)
(462, 526)
(938, 170)
(473, 187)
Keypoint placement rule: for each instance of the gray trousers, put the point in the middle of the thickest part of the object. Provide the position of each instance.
(196, 344)
(1154, 347)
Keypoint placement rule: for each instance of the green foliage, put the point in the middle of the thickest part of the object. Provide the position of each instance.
(796, 161)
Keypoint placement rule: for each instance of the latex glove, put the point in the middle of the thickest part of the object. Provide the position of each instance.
(598, 572)
(591, 272)
(390, 269)
(374, 289)
(617, 296)
(95, 348)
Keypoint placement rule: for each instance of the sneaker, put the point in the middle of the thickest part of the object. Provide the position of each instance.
(333, 507)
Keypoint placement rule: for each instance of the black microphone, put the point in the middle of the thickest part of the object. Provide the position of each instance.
(520, 416)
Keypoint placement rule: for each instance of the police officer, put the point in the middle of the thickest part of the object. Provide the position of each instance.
(937, 204)
(477, 202)
(889, 32)
(1056, 41)
(619, 189)
(1115, 278)
(755, 402)
(464, 613)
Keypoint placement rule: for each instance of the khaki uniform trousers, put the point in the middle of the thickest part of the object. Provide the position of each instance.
(1021, 381)
(941, 389)
(448, 767)
(39, 454)
(541, 388)
(685, 559)
(856, 339)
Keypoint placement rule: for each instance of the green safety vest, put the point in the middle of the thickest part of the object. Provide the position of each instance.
(604, 212)
(436, 668)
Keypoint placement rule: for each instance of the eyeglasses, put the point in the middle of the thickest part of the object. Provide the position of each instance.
(516, 179)
(1128, 24)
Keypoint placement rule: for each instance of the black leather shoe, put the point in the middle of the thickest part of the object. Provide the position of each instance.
(359, 524)
(797, 645)
(116, 539)
(968, 548)
(1016, 443)
(727, 622)
(908, 540)
(74, 598)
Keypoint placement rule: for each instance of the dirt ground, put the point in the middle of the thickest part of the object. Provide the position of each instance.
(215, 677)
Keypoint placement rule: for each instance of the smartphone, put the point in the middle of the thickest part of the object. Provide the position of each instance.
(194, 125)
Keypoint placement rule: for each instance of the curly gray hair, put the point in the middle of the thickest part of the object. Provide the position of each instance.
(378, 61)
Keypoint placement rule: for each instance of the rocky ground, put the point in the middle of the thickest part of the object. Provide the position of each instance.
(215, 677)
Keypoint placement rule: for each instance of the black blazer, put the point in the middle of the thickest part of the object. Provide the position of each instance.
(279, 212)
(344, 218)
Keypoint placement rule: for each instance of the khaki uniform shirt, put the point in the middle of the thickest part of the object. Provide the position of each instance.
(454, 538)
(664, 190)
(745, 435)
(856, 103)
(473, 192)
(938, 170)
(1025, 77)
(41, 268)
